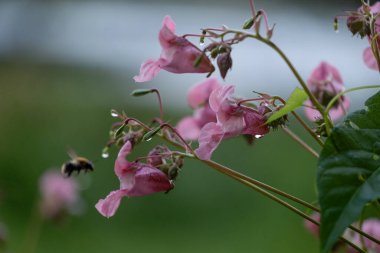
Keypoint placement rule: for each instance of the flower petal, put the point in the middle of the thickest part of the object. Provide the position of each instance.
(369, 59)
(188, 128)
(148, 70)
(210, 137)
(200, 93)
(323, 72)
(149, 180)
(108, 206)
(121, 163)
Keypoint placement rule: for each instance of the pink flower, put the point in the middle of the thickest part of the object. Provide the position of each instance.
(232, 120)
(371, 227)
(368, 57)
(325, 82)
(311, 227)
(136, 179)
(178, 55)
(189, 127)
(59, 194)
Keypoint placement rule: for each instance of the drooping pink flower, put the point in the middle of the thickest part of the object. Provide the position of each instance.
(178, 55)
(368, 57)
(59, 194)
(198, 98)
(232, 120)
(136, 179)
(371, 227)
(324, 83)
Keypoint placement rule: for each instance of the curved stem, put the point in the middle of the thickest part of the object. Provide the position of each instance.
(337, 96)
(160, 103)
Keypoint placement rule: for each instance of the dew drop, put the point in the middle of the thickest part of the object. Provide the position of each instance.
(114, 114)
(258, 136)
(201, 44)
(105, 154)
(149, 139)
(336, 31)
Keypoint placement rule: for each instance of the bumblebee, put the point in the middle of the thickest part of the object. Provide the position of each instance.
(76, 163)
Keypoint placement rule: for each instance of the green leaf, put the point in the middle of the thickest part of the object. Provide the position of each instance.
(349, 171)
(141, 92)
(295, 100)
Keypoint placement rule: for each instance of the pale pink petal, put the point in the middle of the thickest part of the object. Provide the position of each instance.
(375, 8)
(369, 59)
(204, 115)
(210, 137)
(121, 163)
(149, 180)
(341, 110)
(167, 32)
(220, 96)
(181, 56)
(323, 72)
(148, 70)
(335, 113)
(188, 128)
(311, 114)
(371, 227)
(200, 93)
(108, 206)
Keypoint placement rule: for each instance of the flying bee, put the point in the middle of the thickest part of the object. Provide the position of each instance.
(76, 163)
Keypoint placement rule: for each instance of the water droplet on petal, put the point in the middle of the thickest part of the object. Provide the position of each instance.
(258, 136)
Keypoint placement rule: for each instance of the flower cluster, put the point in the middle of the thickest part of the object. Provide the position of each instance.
(140, 179)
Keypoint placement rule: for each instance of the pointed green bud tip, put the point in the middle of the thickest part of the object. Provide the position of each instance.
(149, 135)
(141, 92)
(248, 23)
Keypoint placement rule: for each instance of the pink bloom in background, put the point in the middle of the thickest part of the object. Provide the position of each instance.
(232, 120)
(311, 227)
(190, 127)
(136, 179)
(371, 227)
(325, 82)
(178, 55)
(368, 57)
(59, 194)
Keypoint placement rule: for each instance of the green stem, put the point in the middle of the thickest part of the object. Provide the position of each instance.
(268, 42)
(308, 129)
(337, 96)
(223, 170)
(252, 181)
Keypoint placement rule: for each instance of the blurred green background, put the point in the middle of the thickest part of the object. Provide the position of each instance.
(47, 108)
(56, 93)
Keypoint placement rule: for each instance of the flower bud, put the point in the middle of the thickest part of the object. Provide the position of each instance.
(224, 63)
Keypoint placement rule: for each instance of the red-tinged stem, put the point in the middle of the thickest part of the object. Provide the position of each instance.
(196, 35)
(160, 103)
(188, 148)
